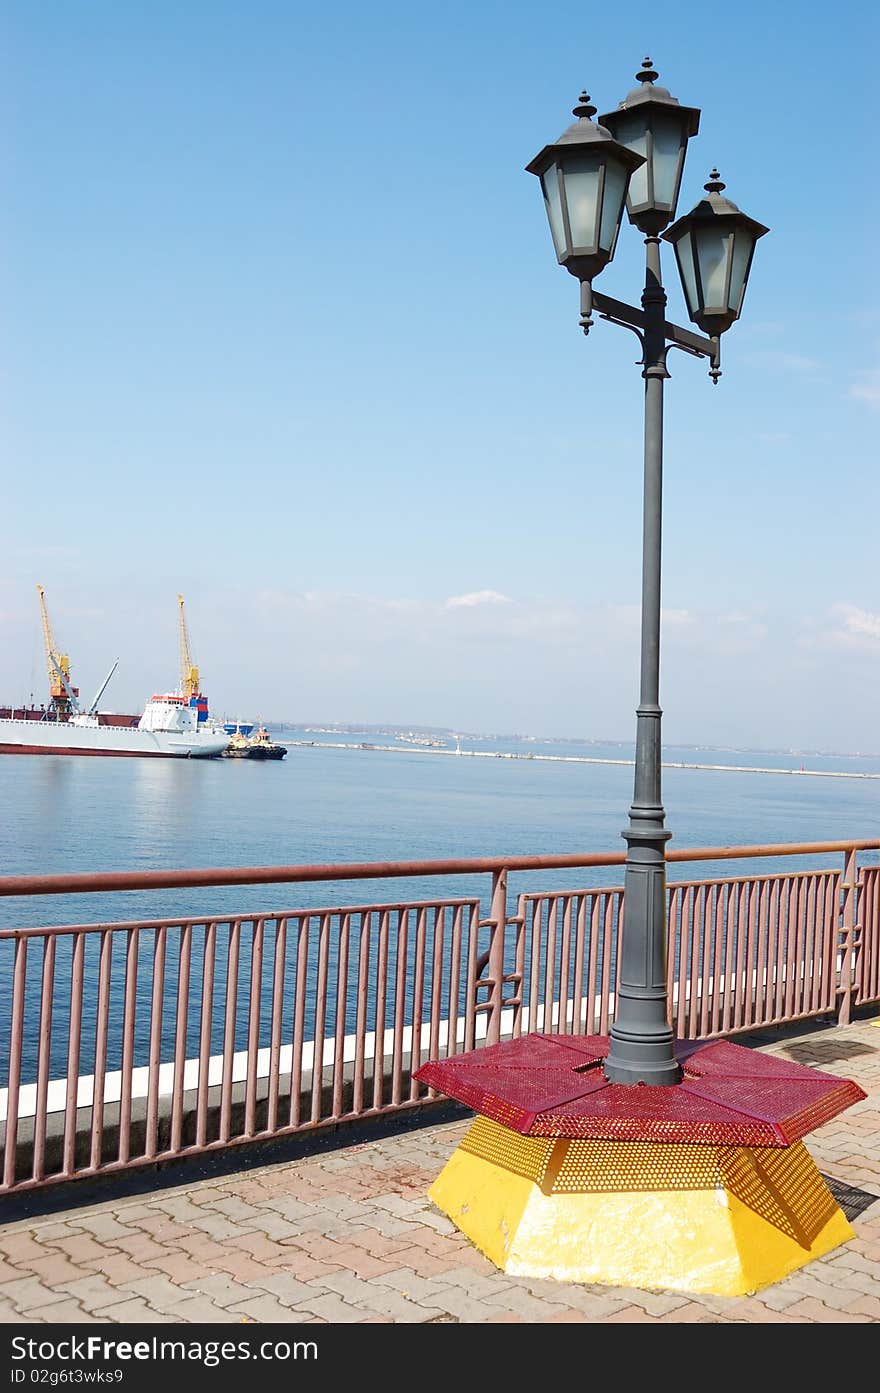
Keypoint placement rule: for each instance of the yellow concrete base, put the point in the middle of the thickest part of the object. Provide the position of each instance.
(719, 1220)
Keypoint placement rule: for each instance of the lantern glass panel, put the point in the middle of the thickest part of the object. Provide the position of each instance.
(742, 250)
(713, 255)
(633, 133)
(553, 204)
(581, 179)
(684, 250)
(668, 137)
(612, 204)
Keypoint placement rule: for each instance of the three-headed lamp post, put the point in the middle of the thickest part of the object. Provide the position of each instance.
(636, 154)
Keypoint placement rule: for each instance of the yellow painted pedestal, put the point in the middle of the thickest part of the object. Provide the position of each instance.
(723, 1220)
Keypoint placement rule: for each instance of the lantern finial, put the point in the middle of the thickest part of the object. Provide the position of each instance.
(715, 183)
(646, 73)
(584, 106)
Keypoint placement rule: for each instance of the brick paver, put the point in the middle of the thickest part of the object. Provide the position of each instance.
(350, 1236)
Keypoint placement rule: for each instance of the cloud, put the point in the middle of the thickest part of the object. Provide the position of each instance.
(867, 388)
(477, 597)
(858, 621)
(793, 363)
(844, 627)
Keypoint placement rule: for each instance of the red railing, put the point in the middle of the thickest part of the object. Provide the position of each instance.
(138, 1042)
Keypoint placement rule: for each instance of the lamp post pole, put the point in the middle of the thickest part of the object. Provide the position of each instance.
(641, 1048)
(637, 153)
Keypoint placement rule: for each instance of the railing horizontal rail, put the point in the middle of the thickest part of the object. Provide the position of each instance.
(106, 926)
(108, 881)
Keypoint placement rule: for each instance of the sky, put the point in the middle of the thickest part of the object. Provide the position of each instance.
(282, 330)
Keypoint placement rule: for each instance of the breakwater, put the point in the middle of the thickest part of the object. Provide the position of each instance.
(578, 759)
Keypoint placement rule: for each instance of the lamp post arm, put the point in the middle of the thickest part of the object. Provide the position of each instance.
(629, 317)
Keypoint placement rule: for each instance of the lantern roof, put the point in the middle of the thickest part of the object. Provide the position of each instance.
(712, 207)
(589, 136)
(648, 94)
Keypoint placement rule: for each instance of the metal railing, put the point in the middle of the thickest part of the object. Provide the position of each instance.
(134, 1043)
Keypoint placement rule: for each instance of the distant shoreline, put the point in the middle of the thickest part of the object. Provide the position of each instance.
(576, 759)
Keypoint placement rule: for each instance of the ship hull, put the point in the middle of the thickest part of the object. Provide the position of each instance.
(66, 738)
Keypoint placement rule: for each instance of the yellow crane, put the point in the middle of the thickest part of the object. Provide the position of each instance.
(62, 696)
(189, 673)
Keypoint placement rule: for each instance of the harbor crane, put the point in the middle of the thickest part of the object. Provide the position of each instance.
(62, 696)
(189, 672)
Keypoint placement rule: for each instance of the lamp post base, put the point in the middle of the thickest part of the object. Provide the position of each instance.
(704, 1185)
(722, 1221)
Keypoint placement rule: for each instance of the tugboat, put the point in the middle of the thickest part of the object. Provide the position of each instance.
(262, 746)
(258, 746)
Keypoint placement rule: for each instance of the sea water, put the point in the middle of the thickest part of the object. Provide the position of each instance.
(68, 814)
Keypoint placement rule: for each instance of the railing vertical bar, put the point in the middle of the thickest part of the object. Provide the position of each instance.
(470, 996)
(180, 1033)
(797, 945)
(418, 995)
(253, 1035)
(684, 978)
(73, 1052)
(535, 936)
(230, 1015)
(847, 935)
(156, 1002)
(129, 1011)
(764, 962)
(565, 967)
(438, 945)
(102, 1018)
(299, 1016)
(710, 911)
(773, 947)
(363, 1002)
(783, 893)
(280, 954)
(699, 907)
(399, 1006)
(495, 958)
(750, 987)
(868, 984)
(814, 961)
(381, 997)
(819, 932)
(320, 1017)
(341, 999)
(740, 968)
(453, 1010)
(47, 992)
(610, 941)
(577, 1019)
(519, 964)
(719, 973)
(16, 1037)
(792, 933)
(550, 962)
(591, 1024)
(205, 1024)
(672, 939)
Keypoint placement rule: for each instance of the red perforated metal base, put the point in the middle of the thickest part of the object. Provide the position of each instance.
(554, 1086)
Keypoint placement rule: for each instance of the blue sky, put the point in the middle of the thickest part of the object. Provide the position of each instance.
(282, 329)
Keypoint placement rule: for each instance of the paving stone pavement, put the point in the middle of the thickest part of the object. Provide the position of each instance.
(349, 1235)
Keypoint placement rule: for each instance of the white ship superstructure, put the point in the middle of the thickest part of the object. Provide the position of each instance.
(169, 728)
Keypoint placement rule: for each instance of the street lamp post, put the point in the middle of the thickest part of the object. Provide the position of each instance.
(552, 1179)
(714, 245)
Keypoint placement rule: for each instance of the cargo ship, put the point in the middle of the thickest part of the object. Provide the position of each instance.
(174, 725)
(169, 728)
